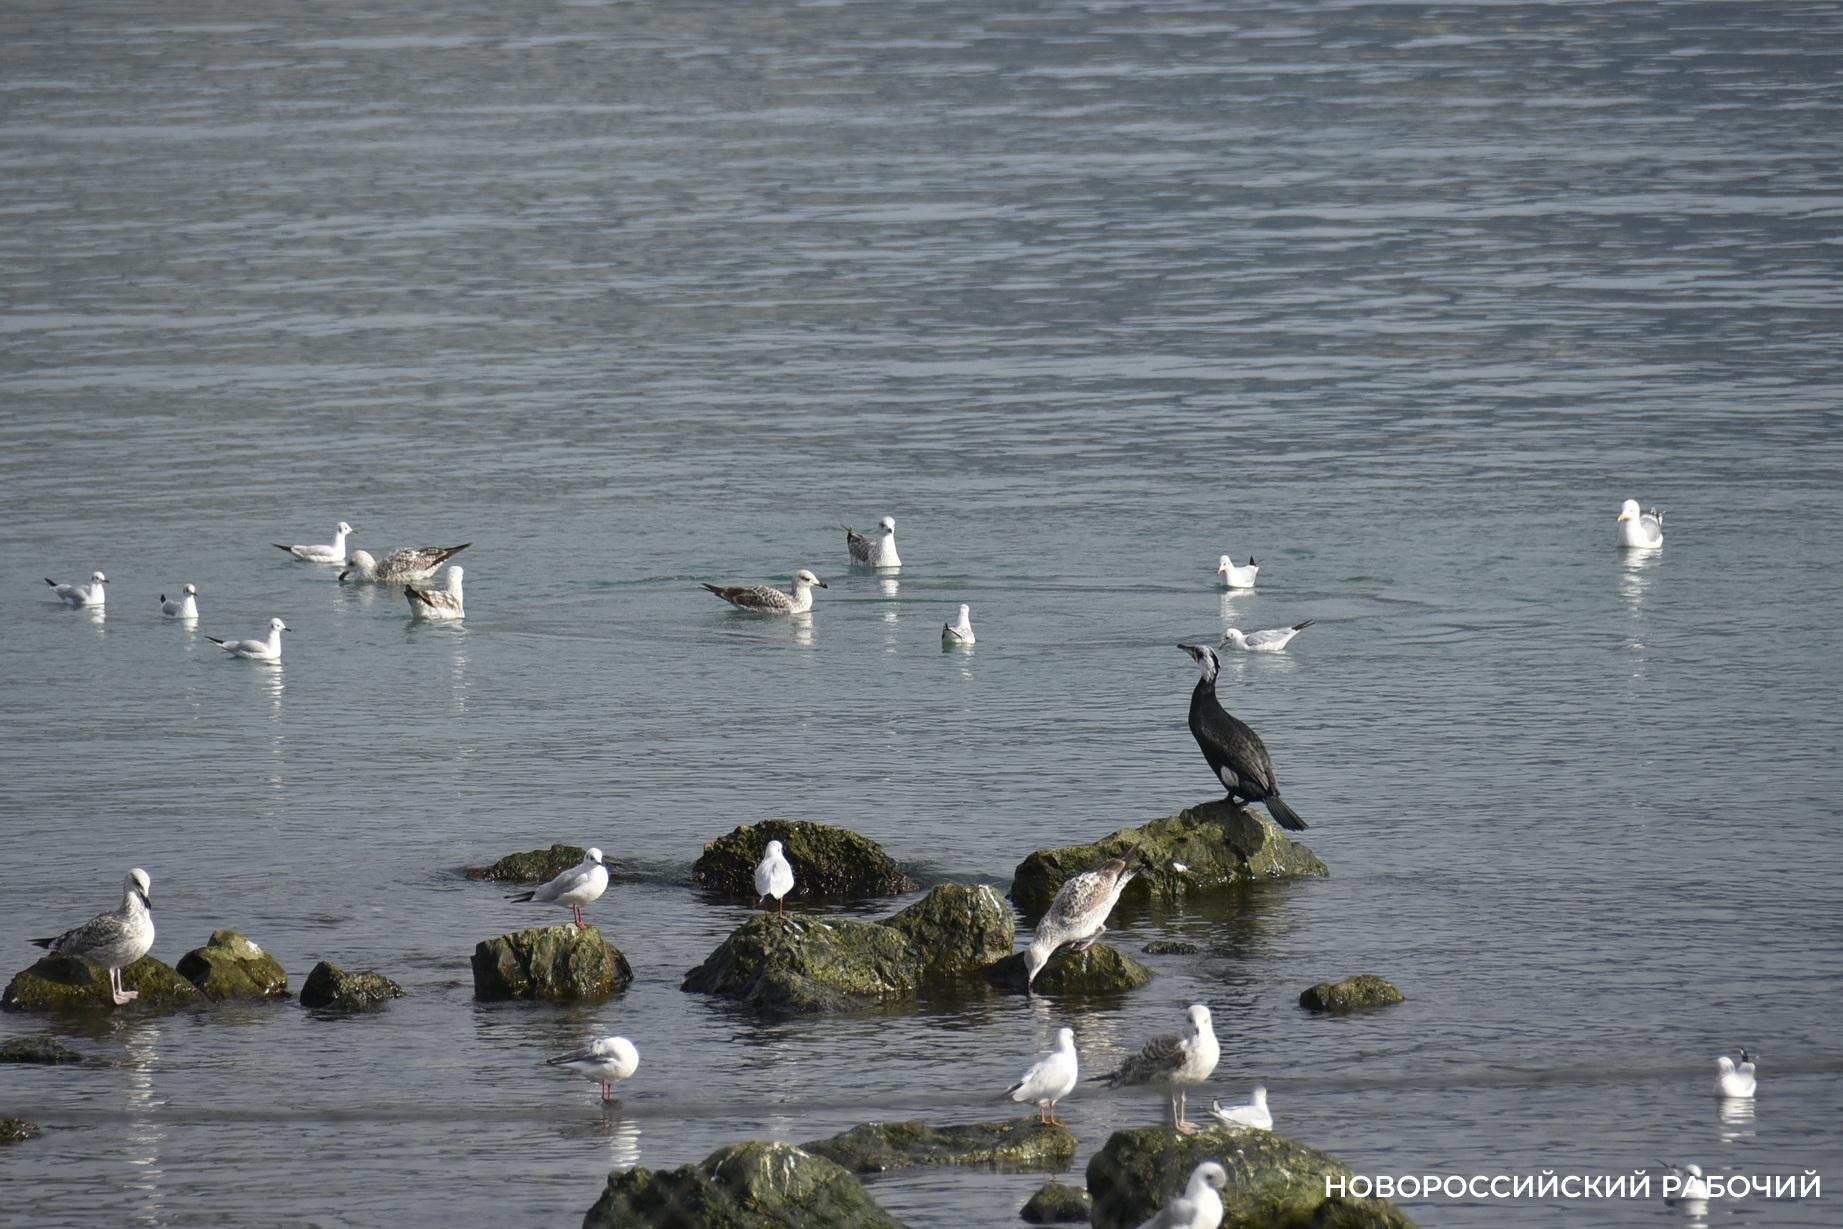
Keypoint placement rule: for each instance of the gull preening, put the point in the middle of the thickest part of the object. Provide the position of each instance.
(439, 603)
(1175, 1061)
(574, 888)
(81, 595)
(185, 606)
(333, 552)
(1254, 1114)
(1050, 1079)
(1235, 753)
(113, 940)
(960, 631)
(1234, 577)
(774, 876)
(877, 548)
(1271, 640)
(766, 599)
(1734, 1081)
(400, 566)
(257, 650)
(1640, 530)
(1199, 1207)
(1078, 914)
(604, 1061)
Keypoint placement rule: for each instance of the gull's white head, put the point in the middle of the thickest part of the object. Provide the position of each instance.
(99, 578)
(773, 850)
(593, 855)
(1232, 635)
(344, 528)
(1209, 1174)
(887, 524)
(966, 613)
(190, 590)
(1693, 1170)
(1260, 1095)
(1199, 1017)
(1628, 511)
(1065, 1039)
(137, 884)
(1205, 657)
(806, 578)
(1223, 564)
(276, 625)
(362, 559)
(455, 573)
(1724, 1064)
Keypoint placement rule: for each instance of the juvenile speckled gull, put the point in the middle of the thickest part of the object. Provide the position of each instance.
(185, 606)
(113, 940)
(1050, 1078)
(1199, 1207)
(1640, 530)
(440, 603)
(1174, 1062)
(774, 876)
(604, 1061)
(91, 594)
(1254, 1114)
(876, 549)
(960, 631)
(574, 888)
(1234, 577)
(400, 566)
(256, 650)
(1734, 1082)
(333, 552)
(1270, 640)
(1078, 914)
(766, 599)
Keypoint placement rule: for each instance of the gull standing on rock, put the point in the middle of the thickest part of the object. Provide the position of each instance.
(1174, 1062)
(1734, 1083)
(1254, 1114)
(876, 549)
(400, 566)
(81, 595)
(1234, 577)
(774, 876)
(604, 1061)
(1199, 1207)
(1078, 914)
(185, 606)
(960, 631)
(1235, 753)
(1272, 640)
(574, 888)
(1050, 1079)
(438, 603)
(1640, 530)
(113, 940)
(335, 552)
(766, 599)
(256, 650)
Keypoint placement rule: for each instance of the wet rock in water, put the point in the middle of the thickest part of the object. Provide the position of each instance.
(534, 866)
(1019, 1143)
(1101, 969)
(753, 1185)
(561, 962)
(957, 929)
(1273, 1182)
(1170, 947)
(1218, 844)
(45, 1050)
(1057, 1203)
(830, 864)
(232, 967)
(1351, 994)
(13, 1130)
(58, 983)
(329, 987)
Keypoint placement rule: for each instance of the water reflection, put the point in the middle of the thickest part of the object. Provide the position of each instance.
(144, 1132)
(1637, 573)
(611, 1124)
(1736, 1121)
(803, 629)
(887, 586)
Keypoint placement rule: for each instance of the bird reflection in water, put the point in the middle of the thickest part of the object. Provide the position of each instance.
(1736, 1119)
(140, 1040)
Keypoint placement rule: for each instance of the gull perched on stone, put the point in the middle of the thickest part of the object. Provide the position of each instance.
(1734, 1082)
(574, 888)
(774, 876)
(766, 599)
(113, 940)
(1174, 1061)
(1640, 530)
(1199, 1207)
(256, 650)
(400, 566)
(1050, 1078)
(438, 603)
(960, 631)
(604, 1061)
(1234, 577)
(1078, 914)
(81, 595)
(1254, 1114)
(334, 552)
(185, 606)
(1270, 640)
(876, 549)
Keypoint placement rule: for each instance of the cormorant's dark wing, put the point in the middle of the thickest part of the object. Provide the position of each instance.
(1226, 740)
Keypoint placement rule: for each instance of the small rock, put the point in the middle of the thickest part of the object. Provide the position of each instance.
(554, 963)
(37, 1050)
(753, 1185)
(1170, 947)
(1020, 1143)
(830, 864)
(957, 929)
(330, 987)
(1101, 969)
(535, 866)
(232, 967)
(13, 1130)
(1057, 1203)
(58, 983)
(1351, 994)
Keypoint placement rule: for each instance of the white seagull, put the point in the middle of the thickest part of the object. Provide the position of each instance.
(1253, 1114)
(876, 549)
(774, 876)
(1691, 1186)
(439, 603)
(1078, 914)
(1271, 640)
(1199, 1207)
(257, 650)
(1234, 577)
(604, 1061)
(574, 888)
(113, 940)
(400, 566)
(1174, 1061)
(185, 606)
(335, 552)
(1640, 530)
(1734, 1083)
(81, 595)
(1050, 1079)
(766, 599)
(960, 631)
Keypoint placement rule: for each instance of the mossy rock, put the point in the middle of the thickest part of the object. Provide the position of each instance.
(1170, 947)
(788, 964)
(753, 1185)
(43, 1050)
(1352, 994)
(1101, 969)
(830, 864)
(1219, 845)
(58, 983)
(533, 866)
(13, 1130)
(1057, 1203)
(1274, 1182)
(330, 988)
(957, 929)
(232, 967)
(1021, 1143)
(553, 963)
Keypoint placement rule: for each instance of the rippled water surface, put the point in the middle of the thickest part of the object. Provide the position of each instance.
(1402, 299)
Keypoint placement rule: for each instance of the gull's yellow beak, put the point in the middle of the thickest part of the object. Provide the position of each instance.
(1623, 517)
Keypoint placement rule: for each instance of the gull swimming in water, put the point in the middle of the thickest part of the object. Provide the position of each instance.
(400, 566)
(574, 888)
(876, 549)
(185, 606)
(960, 631)
(257, 650)
(1734, 1082)
(1272, 640)
(1691, 1186)
(113, 940)
(81, 595)
(1235, 753)
(1253, 1114)
(438, 603)
(1234, 577)
(604, 1061)
(1050, 1079)
(1078, 914)
(766, 599)
(1640, 530)
(335, 552)
(1175, 1061)
(1199, 1207)
(774, 876)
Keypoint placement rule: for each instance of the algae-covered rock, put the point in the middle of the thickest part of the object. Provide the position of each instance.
(1099, 970)
(1274, 1182)
(753, 1185)
(534, 866)
(330, 988)
(549, 962)
(1170, 947)
(12, 1130)
(957, 929)
(830, 864)
(790, 964)
(1351, 994)
(1057, 1203)
(45, 1050)
(1218, 844)
(58, 983)
(232, 967)
(1021, 1143)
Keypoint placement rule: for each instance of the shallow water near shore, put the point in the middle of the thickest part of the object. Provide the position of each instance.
(1403, 301)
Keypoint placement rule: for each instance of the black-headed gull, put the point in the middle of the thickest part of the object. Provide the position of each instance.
(579, 885)
(185, 606)
(257, 650)
(1269, 640)
(1050, 1079)
(81, 595)
(1234, 577)
(774, 876)
(113, 940)
(1734, 1081)
(604, 1061)
(1199, 1207)
(1254, 1114)
(333, 552)
(960, 631)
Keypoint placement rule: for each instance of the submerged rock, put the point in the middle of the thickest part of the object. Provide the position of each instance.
(1218, 844)
(752, 1185)
(1099, 970)
(58, 983)
(1021, 1143)
(12, 1130)
(1274, 1182)
(1351, 994)
(830, 864)
(549, 962)
(1057, 1203)
(535, 866)
(44, 1050)
(1170, 947)
(331, 988)
(232, 967)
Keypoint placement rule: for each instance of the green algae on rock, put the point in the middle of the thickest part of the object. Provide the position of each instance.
(957, 929)
(330, 988)
(1057, 1203)
(1352, 994)
(232, 967)
(1019, 1143)
(58, 983)
(533, 866)
(44, 1050)
(830, 864)
(1101, 969)
(554, 963)
(13, 1130)
(753, 1185)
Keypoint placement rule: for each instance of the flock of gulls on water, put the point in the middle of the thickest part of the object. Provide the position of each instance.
(1076, 918)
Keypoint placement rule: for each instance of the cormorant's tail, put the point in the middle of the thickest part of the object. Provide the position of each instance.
(522, 896)
(1288, 818)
